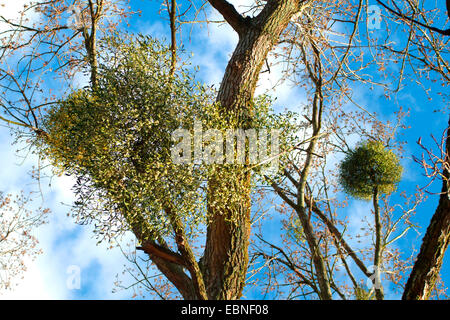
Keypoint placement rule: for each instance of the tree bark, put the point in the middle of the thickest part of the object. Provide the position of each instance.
(379, 294)
(313, 243)
(225, 260)
(435, 242)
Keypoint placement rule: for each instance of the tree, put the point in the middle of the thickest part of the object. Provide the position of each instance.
(422, 49)
(292, 260)
(117, 139)
(367, 172)
(425, 272)
(298, 33)
(430, 54)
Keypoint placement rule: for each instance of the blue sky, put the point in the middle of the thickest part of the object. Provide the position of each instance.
(67, 244)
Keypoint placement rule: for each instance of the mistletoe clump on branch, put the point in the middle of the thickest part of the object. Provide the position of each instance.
(367, 167)
(116, 138)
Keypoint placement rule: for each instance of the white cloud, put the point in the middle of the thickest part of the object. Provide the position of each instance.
(34, 285)
(11, 10)
(63, 242)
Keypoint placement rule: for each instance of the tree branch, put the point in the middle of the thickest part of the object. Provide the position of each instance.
(378, 248)
(338, 236)
(401, 15)
(230, 14)
(187, 254)
(176, 276)
(153, 249)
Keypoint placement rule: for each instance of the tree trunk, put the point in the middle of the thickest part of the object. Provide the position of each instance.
(225, 260)
(429, 261)
(308, 229)
(379, 294)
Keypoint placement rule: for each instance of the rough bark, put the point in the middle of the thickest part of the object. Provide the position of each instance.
(225, 260)
(90, 40)
(435, 242)
(317, 257)
(379, 294)
(173, 36)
